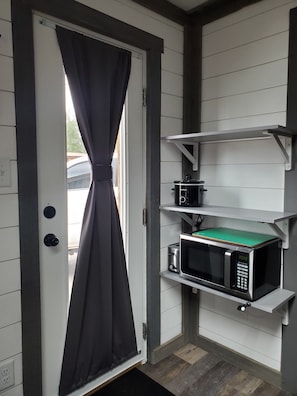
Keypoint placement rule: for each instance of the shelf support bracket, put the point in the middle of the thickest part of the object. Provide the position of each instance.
(192, 158)
(187, 218)
(282, 232)
(285, 148)
(284, 312)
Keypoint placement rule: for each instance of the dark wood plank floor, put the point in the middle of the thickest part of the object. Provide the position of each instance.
(191, 371)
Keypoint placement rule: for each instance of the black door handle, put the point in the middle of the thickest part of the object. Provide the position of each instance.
(51, 240)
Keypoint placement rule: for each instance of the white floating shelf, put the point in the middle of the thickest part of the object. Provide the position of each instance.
(278, 221)
(262, 216)
(244, 133)
(270, 303)
(271, 131)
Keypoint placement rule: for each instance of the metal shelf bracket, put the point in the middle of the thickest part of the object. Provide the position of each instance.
(282, 230)
(192, 220)
(285, 146)
(284, 312)
(193, 158)
(187, 218)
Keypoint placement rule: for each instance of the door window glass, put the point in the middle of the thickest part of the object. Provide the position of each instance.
(79, 179)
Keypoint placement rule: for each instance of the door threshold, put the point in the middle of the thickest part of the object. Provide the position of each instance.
(138, 364)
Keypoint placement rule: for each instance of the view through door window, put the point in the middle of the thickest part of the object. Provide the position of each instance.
(79, 179)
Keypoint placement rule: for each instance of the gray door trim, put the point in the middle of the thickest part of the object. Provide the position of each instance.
(289, 346)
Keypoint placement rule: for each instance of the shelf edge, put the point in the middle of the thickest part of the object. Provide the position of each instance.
(260, 304)
(230, 134)
(217, 211)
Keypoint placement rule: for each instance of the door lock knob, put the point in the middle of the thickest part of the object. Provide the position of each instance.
(51, 240)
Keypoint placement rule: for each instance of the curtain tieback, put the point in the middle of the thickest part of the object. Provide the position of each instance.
(102, 172)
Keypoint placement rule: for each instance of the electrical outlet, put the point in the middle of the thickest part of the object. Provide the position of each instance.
(6, 374)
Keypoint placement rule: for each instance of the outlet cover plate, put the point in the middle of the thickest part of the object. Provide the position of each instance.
(6, 374)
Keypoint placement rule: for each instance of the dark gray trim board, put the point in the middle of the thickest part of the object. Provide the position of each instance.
(192, 77)
(190, 311)
(289, 344)
(216, 9)
(191, 123)
(204, 13)
(28, 197)
(168, 348)
(166, 9)
(78, 14)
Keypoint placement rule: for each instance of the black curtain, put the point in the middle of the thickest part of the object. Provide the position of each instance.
(100, 331)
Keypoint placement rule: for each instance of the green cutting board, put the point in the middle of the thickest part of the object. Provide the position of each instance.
(244, 238)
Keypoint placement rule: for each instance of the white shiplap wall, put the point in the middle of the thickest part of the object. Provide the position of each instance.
(10, 296)
(245, 59)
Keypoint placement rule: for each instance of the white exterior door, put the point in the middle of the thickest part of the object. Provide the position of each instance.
(52, 193)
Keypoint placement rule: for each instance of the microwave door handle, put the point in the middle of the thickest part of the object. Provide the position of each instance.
(227, 268)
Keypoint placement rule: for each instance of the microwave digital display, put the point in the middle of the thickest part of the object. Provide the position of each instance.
(243, 258)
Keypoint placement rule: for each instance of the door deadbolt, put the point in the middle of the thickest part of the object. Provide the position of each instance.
(49, 212)
(51, 240)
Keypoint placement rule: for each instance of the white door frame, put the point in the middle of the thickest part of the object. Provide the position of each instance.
(50, 124)
(54, 309)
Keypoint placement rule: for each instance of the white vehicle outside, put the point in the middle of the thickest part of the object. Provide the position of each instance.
(78, 182)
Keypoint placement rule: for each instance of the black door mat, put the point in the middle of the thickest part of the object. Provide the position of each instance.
(133, 383)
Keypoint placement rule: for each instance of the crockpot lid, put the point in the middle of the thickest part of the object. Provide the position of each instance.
(188, 180)
(189, 183)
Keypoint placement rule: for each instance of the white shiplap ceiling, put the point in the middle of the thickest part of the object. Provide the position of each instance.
(187, 5)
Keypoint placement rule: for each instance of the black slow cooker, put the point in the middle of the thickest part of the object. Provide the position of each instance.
(189, 192)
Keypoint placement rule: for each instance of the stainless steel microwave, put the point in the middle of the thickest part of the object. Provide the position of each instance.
(245, 272)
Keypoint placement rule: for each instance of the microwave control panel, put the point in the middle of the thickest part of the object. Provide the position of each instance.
(242, 272)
